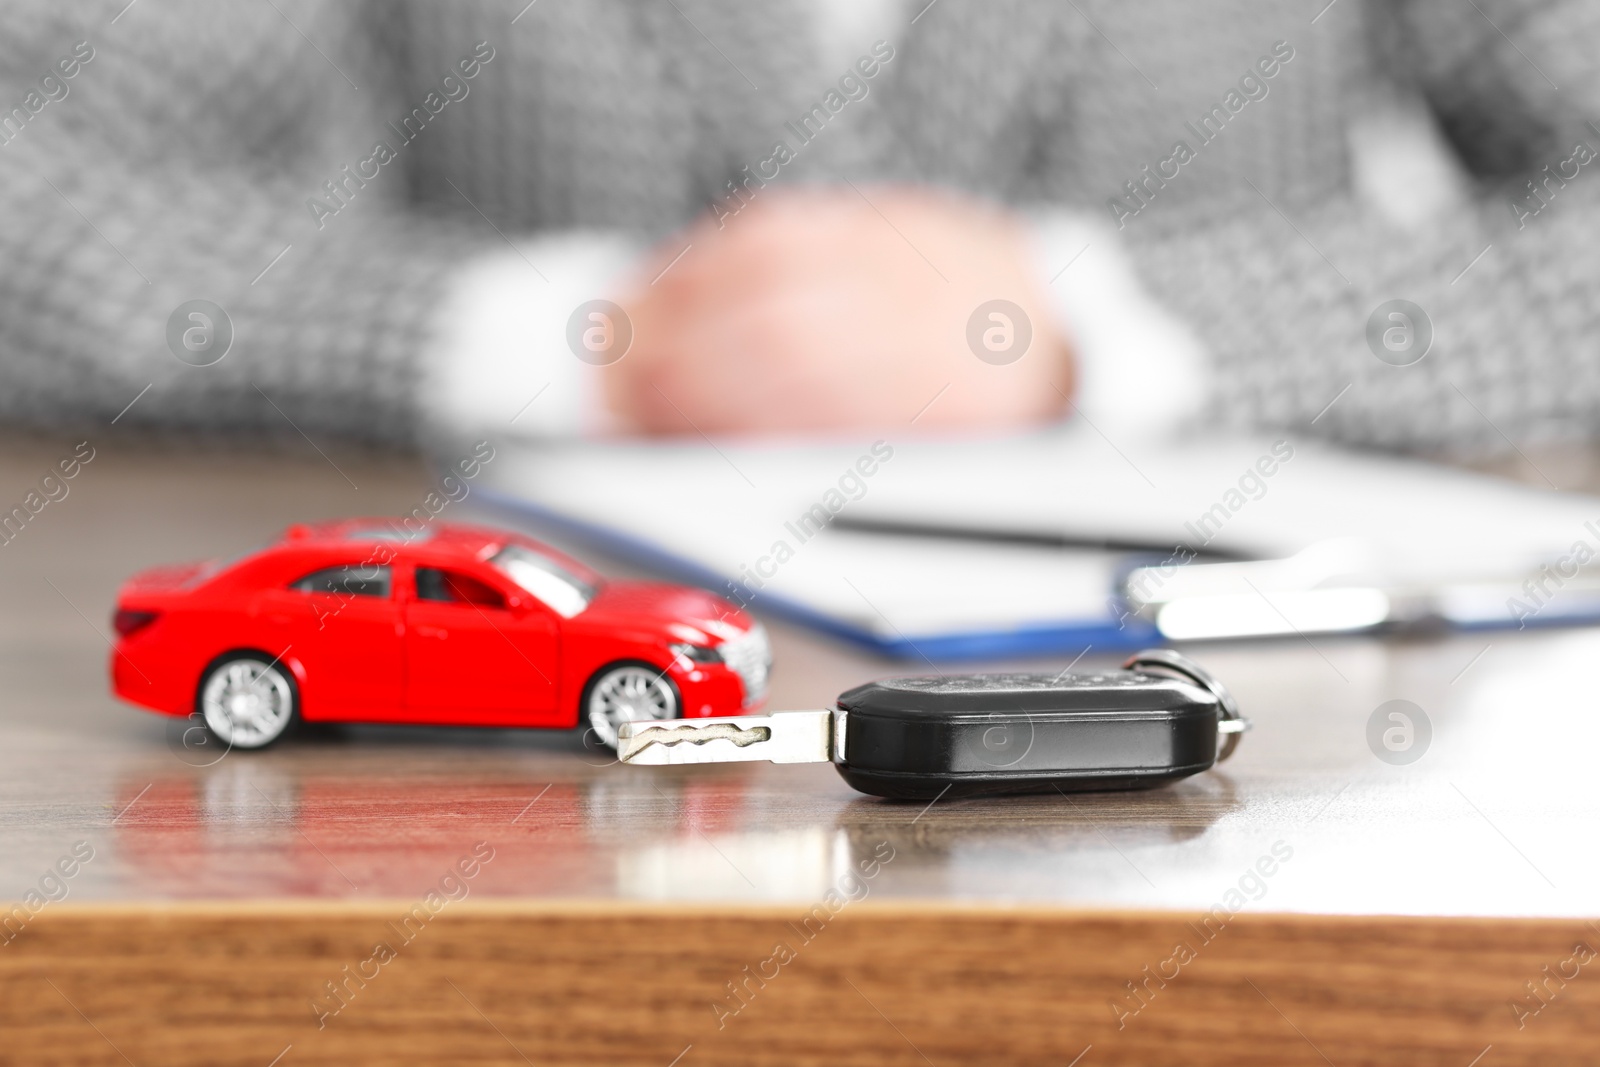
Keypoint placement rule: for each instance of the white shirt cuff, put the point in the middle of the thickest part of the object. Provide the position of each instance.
(1140, 371)
(499, 360)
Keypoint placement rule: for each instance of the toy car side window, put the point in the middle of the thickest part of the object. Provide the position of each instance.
(453, 587)
(353, 579)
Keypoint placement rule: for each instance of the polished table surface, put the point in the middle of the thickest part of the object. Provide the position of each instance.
(1493, 823)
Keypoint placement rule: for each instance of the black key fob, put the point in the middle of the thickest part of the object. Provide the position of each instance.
(1159, 719)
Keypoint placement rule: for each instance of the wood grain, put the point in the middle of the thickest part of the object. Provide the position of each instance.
(581, 984)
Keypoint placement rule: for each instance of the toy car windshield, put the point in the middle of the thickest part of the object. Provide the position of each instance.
(562, 591)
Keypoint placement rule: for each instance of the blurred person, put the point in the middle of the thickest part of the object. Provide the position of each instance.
(802, 208)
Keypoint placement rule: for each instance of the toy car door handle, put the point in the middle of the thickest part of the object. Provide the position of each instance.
(432, 631)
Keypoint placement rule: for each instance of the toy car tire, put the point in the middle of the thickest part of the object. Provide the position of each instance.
(630, 690)
(247, 700)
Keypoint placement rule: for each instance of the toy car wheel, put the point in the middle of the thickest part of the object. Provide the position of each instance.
(248, 701)
(628, 692)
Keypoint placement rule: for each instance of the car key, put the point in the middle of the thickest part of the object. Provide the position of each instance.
(1161, 718)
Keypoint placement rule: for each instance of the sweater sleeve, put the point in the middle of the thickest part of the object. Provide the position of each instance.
(1291, 298)
(181, 160)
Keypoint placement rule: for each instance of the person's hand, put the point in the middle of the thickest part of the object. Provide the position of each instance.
(824, 309)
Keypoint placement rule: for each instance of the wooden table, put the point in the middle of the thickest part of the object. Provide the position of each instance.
(1307, 903)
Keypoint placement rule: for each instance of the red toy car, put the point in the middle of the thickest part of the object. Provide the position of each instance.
(370, 621)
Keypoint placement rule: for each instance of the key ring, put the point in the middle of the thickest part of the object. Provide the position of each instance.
(1231, 724)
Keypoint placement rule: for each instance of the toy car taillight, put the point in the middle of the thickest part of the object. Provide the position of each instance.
(129, 622)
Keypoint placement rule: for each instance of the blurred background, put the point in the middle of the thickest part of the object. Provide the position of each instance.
(372, 222)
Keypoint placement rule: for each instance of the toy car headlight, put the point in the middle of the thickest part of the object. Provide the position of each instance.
(697, 653)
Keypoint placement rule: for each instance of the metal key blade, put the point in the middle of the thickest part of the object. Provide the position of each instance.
(782, 737)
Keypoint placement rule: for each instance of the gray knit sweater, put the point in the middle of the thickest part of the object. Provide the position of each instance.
(186, 153)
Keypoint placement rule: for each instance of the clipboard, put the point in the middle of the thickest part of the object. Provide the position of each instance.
(1048, 543)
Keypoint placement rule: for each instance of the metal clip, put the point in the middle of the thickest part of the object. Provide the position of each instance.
(1230, 723)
